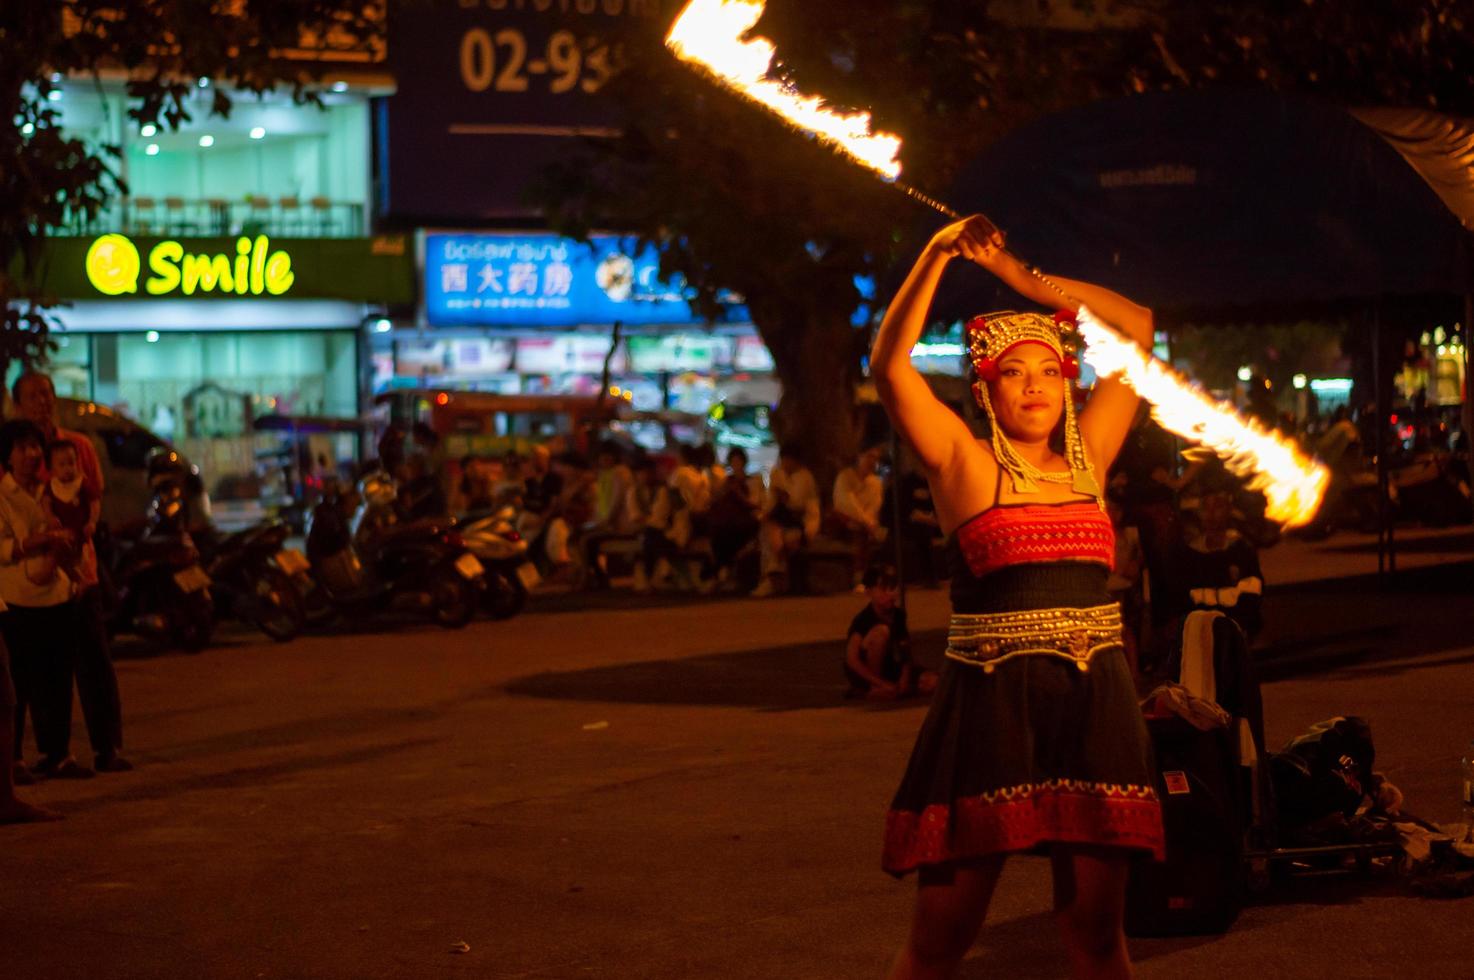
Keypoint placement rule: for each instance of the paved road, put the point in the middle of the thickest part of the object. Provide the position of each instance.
(638, 792)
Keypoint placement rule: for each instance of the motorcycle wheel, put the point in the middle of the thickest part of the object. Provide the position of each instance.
(452, 599)
(192, 624)
(276, 606)
(316, 606)
(505, 596)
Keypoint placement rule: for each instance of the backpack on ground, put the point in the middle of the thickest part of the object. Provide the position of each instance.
(1199, 888)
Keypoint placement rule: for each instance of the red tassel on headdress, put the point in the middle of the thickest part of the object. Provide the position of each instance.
(1071, 367)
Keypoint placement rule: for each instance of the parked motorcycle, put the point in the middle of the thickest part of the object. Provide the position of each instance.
(510, 573)
(162, 591)
(252, 575)
(421, 567)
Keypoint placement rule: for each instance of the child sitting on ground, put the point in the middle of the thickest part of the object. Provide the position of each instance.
(877, 657)
(72, 506)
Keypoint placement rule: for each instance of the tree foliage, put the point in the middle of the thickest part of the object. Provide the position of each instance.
(49, 178)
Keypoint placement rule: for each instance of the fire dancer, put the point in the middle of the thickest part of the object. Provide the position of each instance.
(1034, 741)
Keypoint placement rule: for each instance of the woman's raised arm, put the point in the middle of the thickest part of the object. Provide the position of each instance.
(932, 429)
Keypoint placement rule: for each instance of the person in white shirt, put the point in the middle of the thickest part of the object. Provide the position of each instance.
(790, 517)
(40, 622)
(858, 493)
(692, 483)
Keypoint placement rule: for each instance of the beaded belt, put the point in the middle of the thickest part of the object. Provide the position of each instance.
(1073, 634)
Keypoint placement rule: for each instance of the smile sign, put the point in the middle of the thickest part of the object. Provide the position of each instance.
(114, 266)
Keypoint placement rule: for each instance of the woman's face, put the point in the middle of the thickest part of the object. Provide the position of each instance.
(1029, 396)
(25, 459)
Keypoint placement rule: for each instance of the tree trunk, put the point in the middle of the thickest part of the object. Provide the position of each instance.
(816, 357)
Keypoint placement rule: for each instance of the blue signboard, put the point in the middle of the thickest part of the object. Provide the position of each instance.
(548, 281)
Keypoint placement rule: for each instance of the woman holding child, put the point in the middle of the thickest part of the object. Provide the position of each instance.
(40, 617)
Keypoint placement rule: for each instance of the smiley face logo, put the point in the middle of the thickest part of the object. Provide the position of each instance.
(113, 266)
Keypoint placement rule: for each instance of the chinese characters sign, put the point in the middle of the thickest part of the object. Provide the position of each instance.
(544, 280)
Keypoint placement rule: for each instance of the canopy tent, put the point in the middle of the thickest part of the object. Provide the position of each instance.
(1228, 201)
(1439, 147)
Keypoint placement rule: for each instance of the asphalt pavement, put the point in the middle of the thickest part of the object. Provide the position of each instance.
(650, 789)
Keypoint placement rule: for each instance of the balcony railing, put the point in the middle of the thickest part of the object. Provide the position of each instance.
(281, 217)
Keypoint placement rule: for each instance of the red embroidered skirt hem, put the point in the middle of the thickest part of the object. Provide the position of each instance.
(1020, 819)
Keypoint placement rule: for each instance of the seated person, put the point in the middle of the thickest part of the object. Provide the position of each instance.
(790, 518)
(877, 657)
(858, 493)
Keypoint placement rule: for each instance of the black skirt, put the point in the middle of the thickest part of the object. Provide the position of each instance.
(1037, 752)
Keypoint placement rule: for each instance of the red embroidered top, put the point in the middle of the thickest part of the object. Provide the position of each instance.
(1032, 533)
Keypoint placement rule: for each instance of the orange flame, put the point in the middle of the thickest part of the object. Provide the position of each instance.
(1293, 484)
(709, 33)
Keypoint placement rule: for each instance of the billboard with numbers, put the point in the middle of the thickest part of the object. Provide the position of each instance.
(488, 93)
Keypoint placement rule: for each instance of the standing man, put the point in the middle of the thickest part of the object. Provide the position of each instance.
(97, 682)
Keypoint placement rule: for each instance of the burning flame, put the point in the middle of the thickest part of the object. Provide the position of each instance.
(709, 33)
(1292, 483)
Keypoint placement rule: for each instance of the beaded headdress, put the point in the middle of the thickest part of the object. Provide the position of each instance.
(988, 339)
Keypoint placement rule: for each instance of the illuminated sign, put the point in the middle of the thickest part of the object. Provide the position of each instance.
(544, 280)
(113, 268)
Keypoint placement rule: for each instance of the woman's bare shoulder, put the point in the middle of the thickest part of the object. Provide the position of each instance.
(967, 487)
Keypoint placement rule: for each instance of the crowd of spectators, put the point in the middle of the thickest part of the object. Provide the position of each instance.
(689, 520)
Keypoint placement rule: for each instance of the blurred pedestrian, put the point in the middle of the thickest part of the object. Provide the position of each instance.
(40, 622)
(97, 681)
(12, 809)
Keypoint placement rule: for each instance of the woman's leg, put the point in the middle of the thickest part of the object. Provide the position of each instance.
(949, 912)
(1089, 905)
(771, 538)
(97, 682)
(23, 684)
(43, 649)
